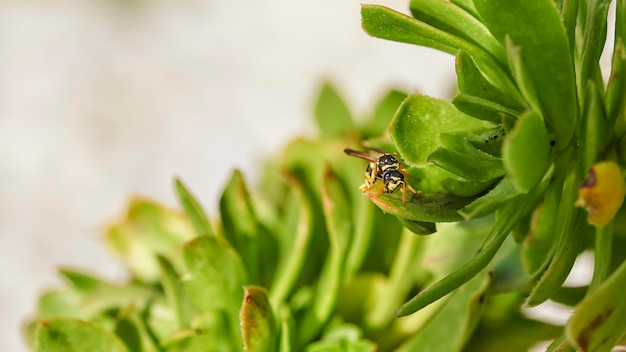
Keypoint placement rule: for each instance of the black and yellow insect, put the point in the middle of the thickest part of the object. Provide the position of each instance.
(386, 168)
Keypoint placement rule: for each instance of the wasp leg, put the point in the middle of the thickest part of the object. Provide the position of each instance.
(406, 180)
(379, 192)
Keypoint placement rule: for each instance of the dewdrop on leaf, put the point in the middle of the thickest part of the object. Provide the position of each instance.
(602, 193)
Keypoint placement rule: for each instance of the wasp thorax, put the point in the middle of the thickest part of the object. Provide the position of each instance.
(387, 161)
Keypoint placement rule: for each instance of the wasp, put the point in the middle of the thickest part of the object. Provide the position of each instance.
(386, 168)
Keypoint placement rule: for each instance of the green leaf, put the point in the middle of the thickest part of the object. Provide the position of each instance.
(464, 188)
(499, 232)
(175, 293)
(467, 166)
(571, 226)
(620, 21)
(430, 207)
(364, 229)
(297, 231)
(538, 246)
(526, 152)
(614, 101)
(514, 333)
(450, 18)
(454, 245)
(570, 296)
(481, 108)
(545, 54)
(82, 282)
(467, 5)
(593, 139)
(331, 113)
(383, 114)
(452, 326)
(599, 320)
(216, 276)
(60, 304)
(258, 326)
(212, 331)
(569, 14)
(521, 75)
(70, 335)
(395, 289)
(132, 330)
(193, 209)
(339, 228)
(240, 223)
(472, 82)
(593, 41)
(502, 193)
(145, 231)
(418, 124)
(385, 23)
(342, 346)
(287, 331)
(419, 227)
(489, 141)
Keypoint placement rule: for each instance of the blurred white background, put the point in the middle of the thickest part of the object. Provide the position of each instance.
(103, 99)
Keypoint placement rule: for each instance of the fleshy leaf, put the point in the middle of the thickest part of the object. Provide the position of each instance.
(594, 131)
(81, 281)
(521, 75)
(175, 293)
(193, 209)
(70, 335)
(464, 188)
(467, 166)
(385, 23)
(430, 207)
(538, 247)
(467, 5)
(545, 53)
(600, 319)
(614, 101)
(132, 329)
(450, 328)
(481, 108)
(499, 232)
(570, 227)
(526, 152)
(258, 326)
(145, 231)
(339, 229)
(594, 38)
(472, 83)
(331, 113)
(450, 18)
(216, 276)
(502, 193)
(418, 124)
(240, 223)
(297, 234)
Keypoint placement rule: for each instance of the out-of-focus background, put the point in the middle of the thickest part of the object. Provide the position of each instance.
(103, 99)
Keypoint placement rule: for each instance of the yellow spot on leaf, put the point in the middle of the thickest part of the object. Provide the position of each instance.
(603, 192)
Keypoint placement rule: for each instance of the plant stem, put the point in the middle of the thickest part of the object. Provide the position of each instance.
(603, 251)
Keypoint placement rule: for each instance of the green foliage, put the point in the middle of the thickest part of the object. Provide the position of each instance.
(308, 262)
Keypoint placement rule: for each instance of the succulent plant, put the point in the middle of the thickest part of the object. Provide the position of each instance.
(518, 175)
